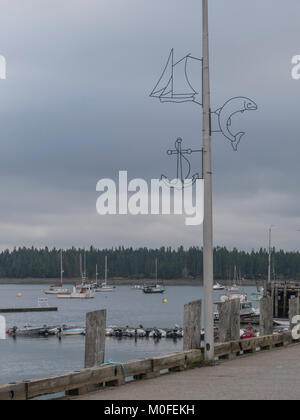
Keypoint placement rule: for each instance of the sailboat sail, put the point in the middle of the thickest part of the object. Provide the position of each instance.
(174, 84)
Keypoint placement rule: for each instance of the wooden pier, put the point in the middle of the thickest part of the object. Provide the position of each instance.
(282, 292)
(34, 309)
(97, 376)
(77, 383)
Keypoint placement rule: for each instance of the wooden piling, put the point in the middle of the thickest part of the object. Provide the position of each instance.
(95, 338)
(276, 309)
(192, 325)
(229, 324)
(266, 316)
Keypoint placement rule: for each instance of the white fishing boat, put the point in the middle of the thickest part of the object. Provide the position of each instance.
(82, 292)
(246, 307)
(104, 286)
(58, 289)
(218, 286)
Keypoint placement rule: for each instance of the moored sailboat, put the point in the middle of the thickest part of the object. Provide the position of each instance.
(157, 288)
(104, 286)
(59, 289)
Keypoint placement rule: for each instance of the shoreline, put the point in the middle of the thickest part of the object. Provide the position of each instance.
(123, 282)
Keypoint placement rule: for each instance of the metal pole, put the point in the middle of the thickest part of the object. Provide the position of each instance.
(270, 251)
(269, 262)
(208, 275)
(105, 270)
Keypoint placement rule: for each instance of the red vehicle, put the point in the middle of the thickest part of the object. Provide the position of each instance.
(248, 334)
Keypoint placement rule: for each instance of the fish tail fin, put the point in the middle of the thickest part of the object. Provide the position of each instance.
(237, 141)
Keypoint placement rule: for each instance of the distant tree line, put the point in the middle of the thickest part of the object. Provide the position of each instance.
(140, 263)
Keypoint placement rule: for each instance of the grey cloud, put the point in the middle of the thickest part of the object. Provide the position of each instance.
(75, 108)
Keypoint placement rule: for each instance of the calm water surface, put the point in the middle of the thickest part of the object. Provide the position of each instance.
(26, 358)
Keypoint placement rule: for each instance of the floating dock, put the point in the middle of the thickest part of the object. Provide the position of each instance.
(34, 309)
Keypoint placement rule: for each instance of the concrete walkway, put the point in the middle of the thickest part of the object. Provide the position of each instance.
(270, 375)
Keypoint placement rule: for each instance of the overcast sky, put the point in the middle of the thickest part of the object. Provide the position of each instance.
(75, 108)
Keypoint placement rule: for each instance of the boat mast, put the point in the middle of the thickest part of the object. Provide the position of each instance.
(97, 273)
(105, 270)
(80, 265)
(61, 268)
(208, 274)
(156, 271)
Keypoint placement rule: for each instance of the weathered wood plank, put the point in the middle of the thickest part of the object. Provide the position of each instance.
(95, 338)
(137, 367)
(222, 349)
(192, 325)
(266, 316)
(229, 324)
(13, 392)
(72, 380)
(168, 361)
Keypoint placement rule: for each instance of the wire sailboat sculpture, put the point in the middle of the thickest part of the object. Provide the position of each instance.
(174, 85)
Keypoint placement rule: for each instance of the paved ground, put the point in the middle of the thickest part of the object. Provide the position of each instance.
(265, 376)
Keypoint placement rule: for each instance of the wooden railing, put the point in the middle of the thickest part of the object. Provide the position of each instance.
(83, 381)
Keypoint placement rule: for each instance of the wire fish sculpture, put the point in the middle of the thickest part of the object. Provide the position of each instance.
(182, 179)
(174, 86)
(224, 115)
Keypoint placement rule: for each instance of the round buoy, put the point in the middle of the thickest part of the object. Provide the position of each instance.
(165, 300)
(19, 294)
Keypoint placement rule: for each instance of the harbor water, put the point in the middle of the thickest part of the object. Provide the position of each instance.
(27, 358)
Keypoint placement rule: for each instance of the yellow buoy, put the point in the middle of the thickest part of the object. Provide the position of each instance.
(19, 294)
(165, 300)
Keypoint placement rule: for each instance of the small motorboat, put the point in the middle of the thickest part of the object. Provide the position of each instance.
(57, 290)
(105, 288)
(218, 286)
(71, 331)
(176, 333)
(29, 331)
(155, 333)
(282, 323)
(256, 297)
(233, 288)
(153, 289)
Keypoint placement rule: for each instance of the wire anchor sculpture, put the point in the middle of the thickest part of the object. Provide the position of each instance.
(182, 179)
(174, 86)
